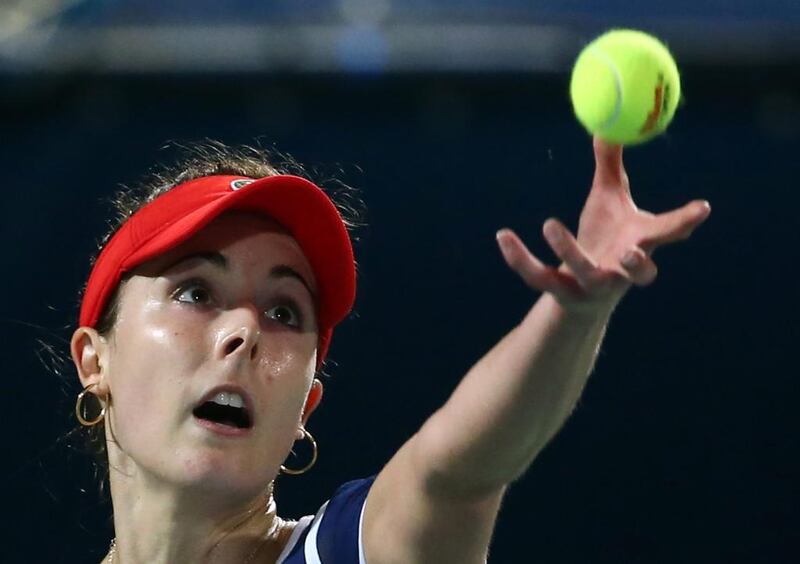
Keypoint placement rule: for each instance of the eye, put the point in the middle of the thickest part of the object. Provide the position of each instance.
(286, 314)
(193, 292)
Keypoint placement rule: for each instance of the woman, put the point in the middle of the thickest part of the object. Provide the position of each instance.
(207, 315)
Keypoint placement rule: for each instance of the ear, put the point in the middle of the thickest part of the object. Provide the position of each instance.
(90, 354)
(313, 400)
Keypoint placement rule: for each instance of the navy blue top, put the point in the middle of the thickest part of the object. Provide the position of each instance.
(333, 535)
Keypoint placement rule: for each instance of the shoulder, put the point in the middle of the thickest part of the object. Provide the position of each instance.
(333, 534)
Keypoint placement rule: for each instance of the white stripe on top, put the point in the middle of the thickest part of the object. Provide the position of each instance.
(362, 559)
(298, 530)
(310, 548)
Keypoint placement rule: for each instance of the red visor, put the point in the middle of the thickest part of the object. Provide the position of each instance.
(175, 216)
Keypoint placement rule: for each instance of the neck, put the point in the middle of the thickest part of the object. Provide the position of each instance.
(160, 523)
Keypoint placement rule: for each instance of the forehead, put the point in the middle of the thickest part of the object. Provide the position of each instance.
(231, 228)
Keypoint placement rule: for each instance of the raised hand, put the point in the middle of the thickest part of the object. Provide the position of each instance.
(614, 246)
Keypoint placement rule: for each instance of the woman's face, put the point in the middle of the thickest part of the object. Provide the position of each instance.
(232, 306)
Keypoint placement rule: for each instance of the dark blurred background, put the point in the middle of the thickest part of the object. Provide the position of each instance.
(453, 119)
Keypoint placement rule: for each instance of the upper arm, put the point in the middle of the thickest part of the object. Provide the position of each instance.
(408, 521)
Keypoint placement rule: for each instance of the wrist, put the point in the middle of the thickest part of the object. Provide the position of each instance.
(580, 312)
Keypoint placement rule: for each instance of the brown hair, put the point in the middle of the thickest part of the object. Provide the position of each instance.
(196, 161)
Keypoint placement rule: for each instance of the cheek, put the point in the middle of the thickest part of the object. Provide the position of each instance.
(287, 354)
(287, 370)
(149, 373)
(287, 381)
(159, 340)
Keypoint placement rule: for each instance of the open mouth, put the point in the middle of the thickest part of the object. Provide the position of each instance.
(232, 416)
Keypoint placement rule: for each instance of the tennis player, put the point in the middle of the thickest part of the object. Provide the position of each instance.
(211, 308)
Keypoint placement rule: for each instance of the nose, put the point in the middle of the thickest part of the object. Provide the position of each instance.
(240, 333)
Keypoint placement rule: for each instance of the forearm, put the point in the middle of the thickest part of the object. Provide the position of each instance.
(513, 401)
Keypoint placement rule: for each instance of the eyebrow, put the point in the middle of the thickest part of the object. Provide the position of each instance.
(221, 262)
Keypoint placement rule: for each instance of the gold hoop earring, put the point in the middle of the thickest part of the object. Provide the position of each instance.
(79, 408)
(305, 468)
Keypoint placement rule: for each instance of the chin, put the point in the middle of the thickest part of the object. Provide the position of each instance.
(219, 471)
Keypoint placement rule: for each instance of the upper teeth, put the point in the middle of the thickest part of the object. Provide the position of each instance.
(229, 398)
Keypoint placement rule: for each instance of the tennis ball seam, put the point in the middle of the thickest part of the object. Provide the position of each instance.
(609, 62)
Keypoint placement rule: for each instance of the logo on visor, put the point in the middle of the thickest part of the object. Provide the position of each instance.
(241, 183)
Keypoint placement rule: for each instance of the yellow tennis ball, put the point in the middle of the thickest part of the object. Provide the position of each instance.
(625, 87)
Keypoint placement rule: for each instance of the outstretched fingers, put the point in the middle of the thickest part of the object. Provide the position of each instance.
(533, 272)
(677, 225)
(567, 248)
(609, 170)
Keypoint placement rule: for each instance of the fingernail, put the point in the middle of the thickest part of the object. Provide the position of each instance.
(501, 241)
(553, 231)
(630, 259)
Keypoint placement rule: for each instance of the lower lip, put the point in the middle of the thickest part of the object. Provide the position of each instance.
(220, 429)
